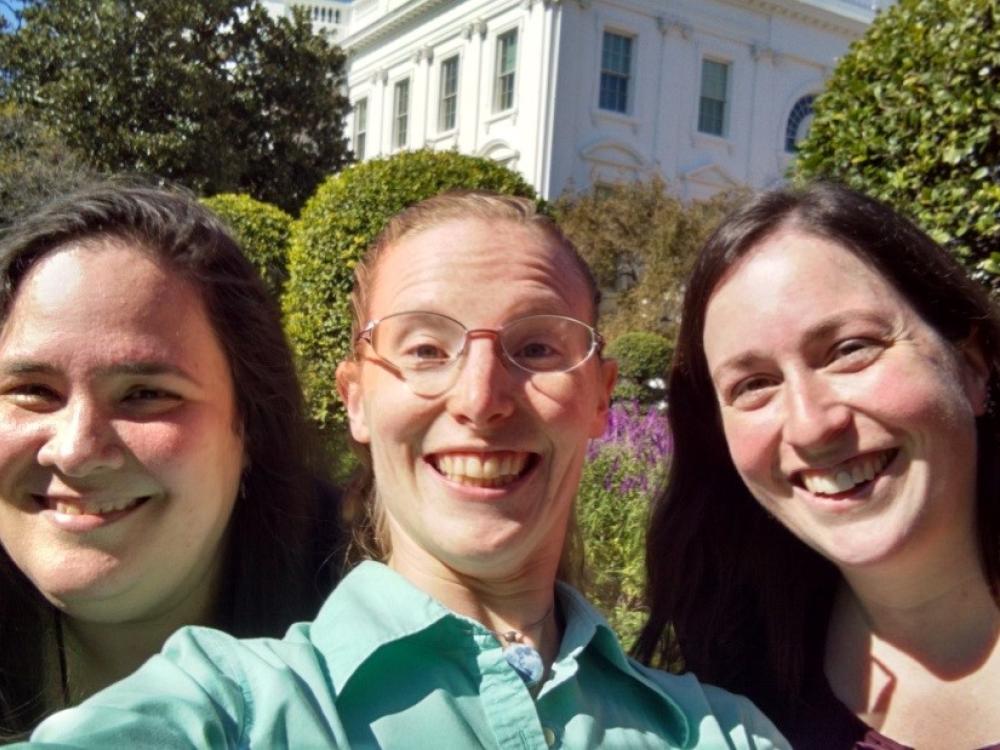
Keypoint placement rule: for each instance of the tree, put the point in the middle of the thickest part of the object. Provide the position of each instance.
(336, 227)
(214, 94)
(911, 115)
(640, 241)
(34, 164)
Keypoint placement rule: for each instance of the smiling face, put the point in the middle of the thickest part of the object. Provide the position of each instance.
(479, 479)
(120, 455)
(848, 417)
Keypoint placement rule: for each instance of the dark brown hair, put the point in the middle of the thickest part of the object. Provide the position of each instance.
(744, 601)
(284, 525)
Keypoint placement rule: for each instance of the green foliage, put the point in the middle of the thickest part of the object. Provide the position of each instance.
(34, 164)
(623, 471)
(336, 227)
(214, 94)
(640, 240)
(912, 116)
(263, 232)
(641, 356)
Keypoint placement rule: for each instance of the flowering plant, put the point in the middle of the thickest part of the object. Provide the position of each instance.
(625, 468)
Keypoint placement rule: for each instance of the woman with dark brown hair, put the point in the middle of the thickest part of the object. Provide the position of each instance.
(156, 469)
(828, 543)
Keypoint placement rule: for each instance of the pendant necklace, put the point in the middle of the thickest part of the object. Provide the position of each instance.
(524, 659)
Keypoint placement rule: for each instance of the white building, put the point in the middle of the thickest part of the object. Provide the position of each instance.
(709, 93)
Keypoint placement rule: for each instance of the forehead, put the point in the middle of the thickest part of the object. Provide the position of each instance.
(793, 281)
(482, 272)
(105, 291)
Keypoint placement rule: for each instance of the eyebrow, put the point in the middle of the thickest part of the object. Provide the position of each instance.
(150, 368)
(823, 329)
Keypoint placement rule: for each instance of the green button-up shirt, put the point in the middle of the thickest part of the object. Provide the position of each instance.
(386, 666)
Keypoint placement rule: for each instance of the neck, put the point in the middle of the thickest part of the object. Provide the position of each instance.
(100, 653)
(522, 602)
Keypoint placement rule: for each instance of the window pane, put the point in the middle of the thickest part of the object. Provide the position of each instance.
(714, 92)
(360, 127)
(448, 103)
(503, 97)
(616, 65)
(401, 104)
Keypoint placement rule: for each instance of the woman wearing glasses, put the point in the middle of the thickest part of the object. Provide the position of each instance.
(476, 383)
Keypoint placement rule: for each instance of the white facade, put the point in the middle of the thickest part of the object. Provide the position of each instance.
(701, 91)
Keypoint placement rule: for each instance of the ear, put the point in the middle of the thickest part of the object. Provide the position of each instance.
(608, 375)
(975, 372)
(349, 388)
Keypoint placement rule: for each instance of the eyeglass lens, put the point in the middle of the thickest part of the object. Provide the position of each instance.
(424, 346)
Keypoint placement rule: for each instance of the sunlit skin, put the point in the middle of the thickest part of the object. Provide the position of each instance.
(505, 542)
(822, 369)
(115, 391)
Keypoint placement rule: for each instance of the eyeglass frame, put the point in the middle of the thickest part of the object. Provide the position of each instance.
(597, 341)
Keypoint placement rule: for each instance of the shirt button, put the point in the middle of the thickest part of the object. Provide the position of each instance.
(550, 736)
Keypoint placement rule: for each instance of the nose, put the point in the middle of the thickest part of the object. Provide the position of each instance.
(815, 415)
(82, 441)
(483, 392)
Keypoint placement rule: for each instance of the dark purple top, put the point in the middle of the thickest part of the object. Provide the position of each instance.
(824, 723)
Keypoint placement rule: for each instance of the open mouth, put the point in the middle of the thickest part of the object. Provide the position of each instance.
(495, 469)
(847, 476)
(80, 507)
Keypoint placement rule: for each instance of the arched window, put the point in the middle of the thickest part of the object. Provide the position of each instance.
(799, 120)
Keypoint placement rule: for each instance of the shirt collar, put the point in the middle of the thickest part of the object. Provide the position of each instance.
(401, 610)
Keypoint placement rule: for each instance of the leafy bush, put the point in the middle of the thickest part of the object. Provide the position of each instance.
(624, 468)
(640, 240)
(263, 231)
(642, 357)
(911, 115)
(336, 227)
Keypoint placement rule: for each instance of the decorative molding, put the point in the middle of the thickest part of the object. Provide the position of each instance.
(475, 27)
(763, 53)
(425, 53)
(666, 24)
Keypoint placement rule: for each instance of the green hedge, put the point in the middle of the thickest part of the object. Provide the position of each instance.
(263, 231)
(336, 227)
(911, 115)
(641, 357)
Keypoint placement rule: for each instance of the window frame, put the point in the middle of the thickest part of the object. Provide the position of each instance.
(726, 101)
(400, 135)
(360, 127)
(505, 81)
(625, 77)
(448, 100)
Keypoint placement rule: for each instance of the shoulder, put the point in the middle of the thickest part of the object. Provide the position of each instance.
(738, 718)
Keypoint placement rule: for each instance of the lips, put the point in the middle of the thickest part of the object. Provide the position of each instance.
(847, 475)
(476, 469)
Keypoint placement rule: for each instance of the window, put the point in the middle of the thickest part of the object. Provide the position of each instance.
(503, 92)
(714, 92)
(360, 127)
(799, 120)
(448, 103)
(400, 112)
(616, 66)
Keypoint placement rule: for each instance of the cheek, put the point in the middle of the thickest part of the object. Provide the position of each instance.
(752, 447)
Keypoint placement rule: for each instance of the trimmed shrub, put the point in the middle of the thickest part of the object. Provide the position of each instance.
(641, 357)
(263, 232)
(624, 468)
(911, 116)
(336, 227)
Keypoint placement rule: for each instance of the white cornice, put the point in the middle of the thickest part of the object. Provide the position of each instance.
(833, 15)
(388, 24)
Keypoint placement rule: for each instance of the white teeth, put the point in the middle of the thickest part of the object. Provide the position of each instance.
(846, 476)
(71, 509)
(481, 470)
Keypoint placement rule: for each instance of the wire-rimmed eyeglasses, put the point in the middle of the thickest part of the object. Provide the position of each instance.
(423, 347)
